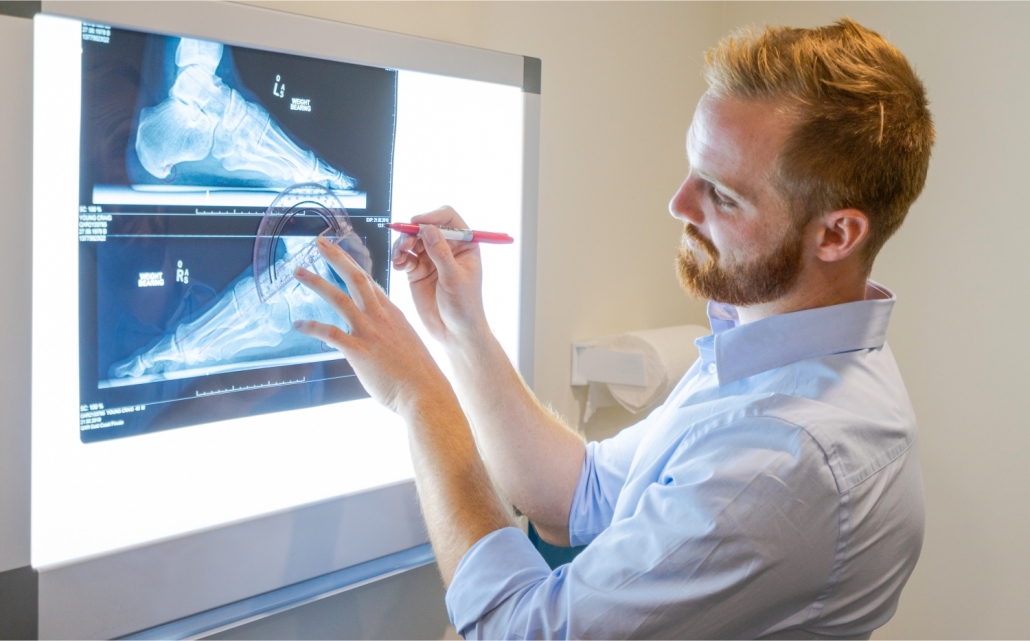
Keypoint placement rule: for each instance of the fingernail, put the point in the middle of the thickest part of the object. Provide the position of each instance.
(430, 235)
(298, 324)
(322, 242)
(300, 272)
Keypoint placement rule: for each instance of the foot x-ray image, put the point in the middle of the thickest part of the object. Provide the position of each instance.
(251, 320)
(203, 117)
(206, 173)
(238, 323)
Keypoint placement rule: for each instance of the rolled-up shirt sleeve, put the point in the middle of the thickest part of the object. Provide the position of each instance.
(742, 525)
(601, 478)
(501, 564)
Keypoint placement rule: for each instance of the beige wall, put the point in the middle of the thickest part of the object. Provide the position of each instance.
(619, 85)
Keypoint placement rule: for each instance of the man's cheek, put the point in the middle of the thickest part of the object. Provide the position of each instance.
(736, 245)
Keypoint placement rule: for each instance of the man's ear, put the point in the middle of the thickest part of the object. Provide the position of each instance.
(840, 233)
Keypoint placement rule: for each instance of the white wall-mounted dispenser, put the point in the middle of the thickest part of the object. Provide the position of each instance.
(635, 370)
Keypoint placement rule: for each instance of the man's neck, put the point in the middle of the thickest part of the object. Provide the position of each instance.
(812, 291)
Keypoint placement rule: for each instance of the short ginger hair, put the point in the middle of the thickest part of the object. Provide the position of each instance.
(863, 131)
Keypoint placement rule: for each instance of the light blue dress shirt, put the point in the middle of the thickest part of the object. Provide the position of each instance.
(776, 493)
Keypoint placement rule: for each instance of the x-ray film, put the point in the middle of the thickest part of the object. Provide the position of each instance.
(207, 171)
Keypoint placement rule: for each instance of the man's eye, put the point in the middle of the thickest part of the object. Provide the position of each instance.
(718, 199)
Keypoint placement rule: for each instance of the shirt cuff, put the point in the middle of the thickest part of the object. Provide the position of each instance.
(498, 566)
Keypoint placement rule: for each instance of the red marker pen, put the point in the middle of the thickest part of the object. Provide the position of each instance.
(452, 233)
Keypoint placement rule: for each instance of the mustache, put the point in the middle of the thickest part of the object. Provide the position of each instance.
(691, 232)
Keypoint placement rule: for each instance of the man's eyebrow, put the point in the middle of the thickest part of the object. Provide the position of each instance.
(739, 194)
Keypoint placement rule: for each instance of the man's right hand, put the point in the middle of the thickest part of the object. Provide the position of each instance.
(446, 278)
(531, 455)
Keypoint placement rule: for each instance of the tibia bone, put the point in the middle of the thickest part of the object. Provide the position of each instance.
(202, 53)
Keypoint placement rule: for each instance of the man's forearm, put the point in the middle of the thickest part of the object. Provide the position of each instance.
(458, 500)
(533, 456)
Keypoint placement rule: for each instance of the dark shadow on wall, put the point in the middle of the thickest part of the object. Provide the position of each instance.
(22, 9)
(19, 604)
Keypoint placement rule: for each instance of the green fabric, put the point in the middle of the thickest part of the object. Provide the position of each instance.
(554, 555)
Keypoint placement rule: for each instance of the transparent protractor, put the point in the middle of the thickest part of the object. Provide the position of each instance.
(286, 235)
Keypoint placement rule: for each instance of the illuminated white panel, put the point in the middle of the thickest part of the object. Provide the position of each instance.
(458, 142)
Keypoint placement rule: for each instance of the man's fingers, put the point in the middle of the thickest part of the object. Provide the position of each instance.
(402, 262)
(406, 255)
(414, 266)
(419, 267)
(420, 256)
(403, 245)
(331, 334)
(358, 281)
(439, 250)
(415, 262)
(331, 294)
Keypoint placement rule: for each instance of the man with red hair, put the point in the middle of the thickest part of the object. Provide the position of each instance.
(777, 492)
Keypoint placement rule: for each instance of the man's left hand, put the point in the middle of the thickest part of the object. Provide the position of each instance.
(387, 355)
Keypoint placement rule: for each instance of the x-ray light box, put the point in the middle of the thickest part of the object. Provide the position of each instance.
(170, 394)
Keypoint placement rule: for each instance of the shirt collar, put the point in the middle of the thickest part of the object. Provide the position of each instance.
(740, 351)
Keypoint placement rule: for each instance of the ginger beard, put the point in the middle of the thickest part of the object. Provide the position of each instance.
(752, 282)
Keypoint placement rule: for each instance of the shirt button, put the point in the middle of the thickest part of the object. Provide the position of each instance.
(711, 368)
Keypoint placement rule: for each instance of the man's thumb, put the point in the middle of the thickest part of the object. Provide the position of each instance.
(439, 251)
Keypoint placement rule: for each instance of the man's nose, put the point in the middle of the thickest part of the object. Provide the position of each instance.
(685, 205)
